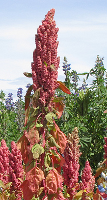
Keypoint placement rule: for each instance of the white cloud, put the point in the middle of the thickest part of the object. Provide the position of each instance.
(79, 40)
(17, 32)
(13, 69)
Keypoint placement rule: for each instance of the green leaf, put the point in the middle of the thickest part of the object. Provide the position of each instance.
(12, 196)
(47, 160)
(29, 75)
(91, 154)
(36, 97)
(39, 125)
(85, 73)
(37, 93)
(49, 117)
(52, 141)
(40, 190)
(2, 184)
(34, 198)
(30, 122)
(37, 150)
(45, 63)
(58, 99)
(35, 112)
(87, 76)
(66, 195)
(86, 139)
(48, 169)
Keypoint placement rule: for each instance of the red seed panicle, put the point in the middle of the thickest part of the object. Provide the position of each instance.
(16, 171)
(88, 181)
(4, 162)
(71, 167)
(45, 61)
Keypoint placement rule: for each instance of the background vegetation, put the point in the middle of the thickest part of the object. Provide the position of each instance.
(84, 109)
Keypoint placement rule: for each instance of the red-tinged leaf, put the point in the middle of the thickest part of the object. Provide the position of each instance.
(24, 146)
(99, 170)
(31, 186)
(60, 137)
(57, 159)
(59, 106)
(97, 196)
(35, 173)
(27, 97)
(62, 140)
(26, 115)
(63, 87)
(30, 166)
(53, 181)
(35, 177)
(33, 136)
(27, 192)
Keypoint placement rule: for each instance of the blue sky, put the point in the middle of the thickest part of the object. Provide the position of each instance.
(82, 36)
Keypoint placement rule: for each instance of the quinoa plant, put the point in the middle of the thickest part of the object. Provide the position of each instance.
(42, 137)
(44, 163)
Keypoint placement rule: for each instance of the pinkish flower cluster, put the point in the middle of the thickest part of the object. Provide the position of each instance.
(16, 171)
(45, 61)
(4, 162)
(105, 149)
(71, 168)
(11, 169)
(88, 181)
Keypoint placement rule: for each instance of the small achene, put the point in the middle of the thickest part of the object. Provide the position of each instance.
(50, 168)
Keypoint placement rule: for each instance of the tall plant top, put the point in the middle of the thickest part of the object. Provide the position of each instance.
(45, 61)
(42, 137)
